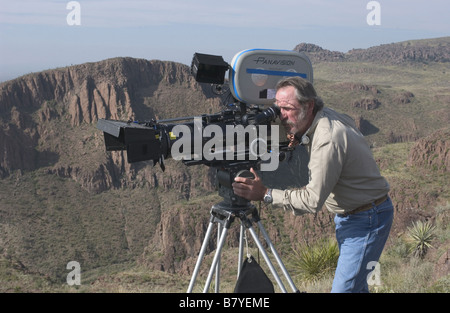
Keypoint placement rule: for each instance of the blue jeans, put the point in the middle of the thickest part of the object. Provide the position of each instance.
(361, 238)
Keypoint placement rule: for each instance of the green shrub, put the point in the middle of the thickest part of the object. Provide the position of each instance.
(312, 262)
(421, 234)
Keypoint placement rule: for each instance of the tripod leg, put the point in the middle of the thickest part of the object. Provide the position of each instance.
(266, 258)
(277, 257)
(241, 249)
(200, 256)
(216, 287)
(216, 259)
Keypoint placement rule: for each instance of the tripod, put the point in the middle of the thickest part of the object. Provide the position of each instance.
(223, 214)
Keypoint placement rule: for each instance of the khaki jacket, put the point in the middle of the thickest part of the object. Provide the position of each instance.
(343, 174)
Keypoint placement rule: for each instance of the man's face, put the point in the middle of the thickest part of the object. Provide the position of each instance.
(294, 116)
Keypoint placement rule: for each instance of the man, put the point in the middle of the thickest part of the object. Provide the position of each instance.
(343, 176)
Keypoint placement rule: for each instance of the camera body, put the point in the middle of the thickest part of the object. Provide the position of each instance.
(241, 136)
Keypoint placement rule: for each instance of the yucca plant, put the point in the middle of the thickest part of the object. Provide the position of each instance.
(311, 262)
(421, 234)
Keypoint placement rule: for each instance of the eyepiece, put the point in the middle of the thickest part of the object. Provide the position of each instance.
(267, 116)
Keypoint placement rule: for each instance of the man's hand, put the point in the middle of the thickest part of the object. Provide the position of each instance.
(250, 189)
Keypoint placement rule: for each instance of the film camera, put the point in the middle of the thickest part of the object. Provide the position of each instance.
(241, 136)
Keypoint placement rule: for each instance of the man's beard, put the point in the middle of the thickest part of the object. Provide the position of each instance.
(293, 127)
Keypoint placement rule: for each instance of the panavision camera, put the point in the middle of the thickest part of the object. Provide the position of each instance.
(241, 134)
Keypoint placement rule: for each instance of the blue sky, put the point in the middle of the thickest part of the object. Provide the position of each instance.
(35, 34)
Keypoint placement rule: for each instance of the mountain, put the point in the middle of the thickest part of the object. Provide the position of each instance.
(38, 108)
(412, 51)
(64, 198)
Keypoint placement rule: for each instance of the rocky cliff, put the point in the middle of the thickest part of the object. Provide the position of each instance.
(432, 152)
(36, 109)
(48, 133)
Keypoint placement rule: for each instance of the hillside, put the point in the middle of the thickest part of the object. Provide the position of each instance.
(407, 52)
(63, 198)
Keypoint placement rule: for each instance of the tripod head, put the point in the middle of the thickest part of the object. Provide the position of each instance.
(225, 179)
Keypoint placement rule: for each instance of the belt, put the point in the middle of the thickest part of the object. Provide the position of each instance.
(366, 207)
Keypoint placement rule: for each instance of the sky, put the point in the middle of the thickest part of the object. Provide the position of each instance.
(37, 35)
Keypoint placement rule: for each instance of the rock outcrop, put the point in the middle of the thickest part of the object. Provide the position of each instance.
(35, 107)
(432, 152)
